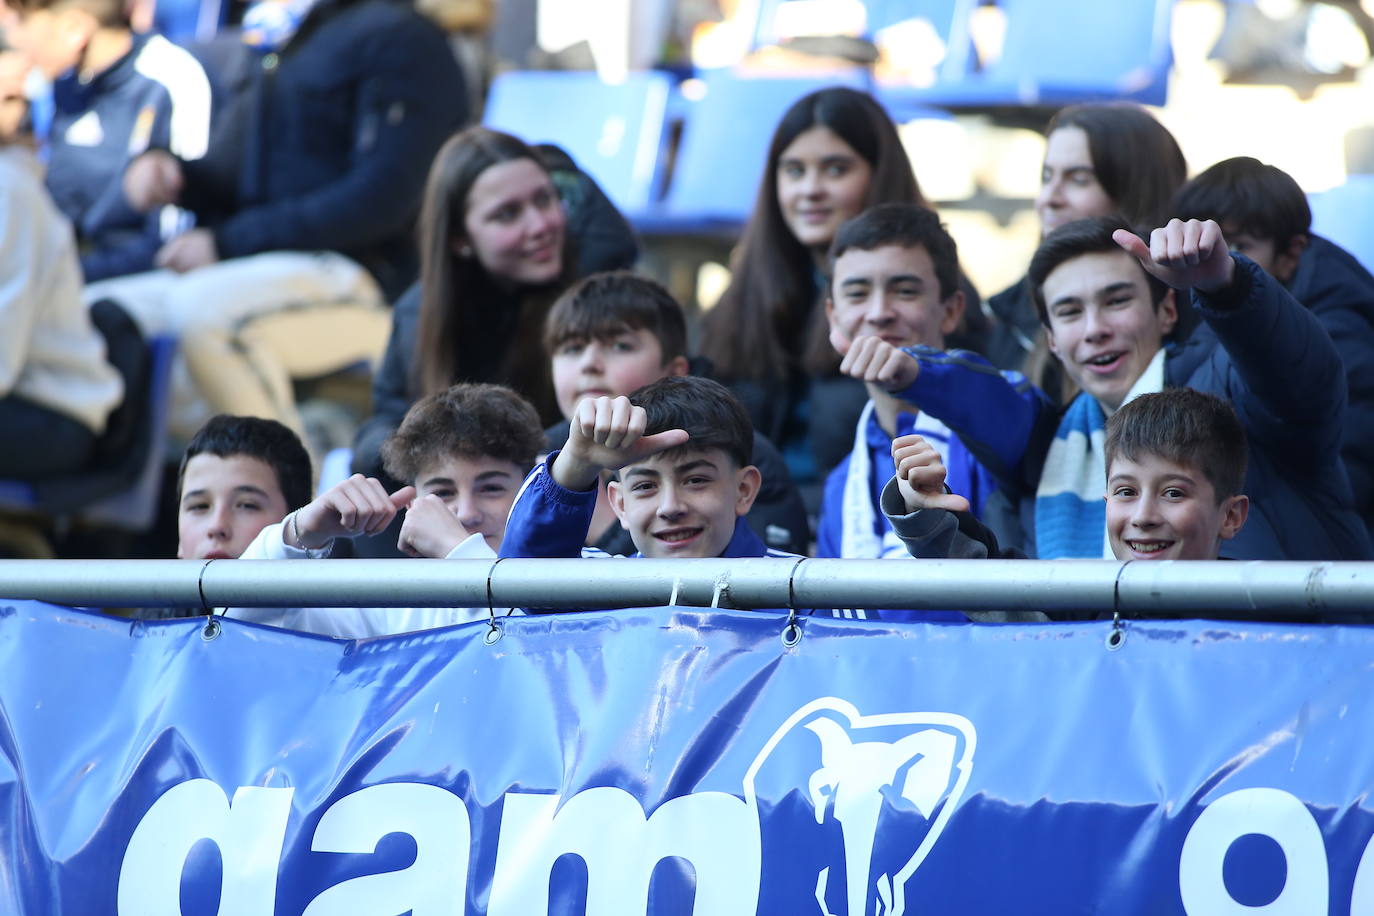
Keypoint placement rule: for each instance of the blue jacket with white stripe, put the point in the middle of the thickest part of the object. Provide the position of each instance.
(154, 97)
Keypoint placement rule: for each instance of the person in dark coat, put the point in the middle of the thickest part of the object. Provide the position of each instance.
(1265, 216)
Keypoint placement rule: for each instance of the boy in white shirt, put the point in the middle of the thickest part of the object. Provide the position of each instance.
(465, 451)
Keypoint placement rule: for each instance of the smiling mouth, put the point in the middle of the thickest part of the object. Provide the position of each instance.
(675, 536)
(1105, 361)
(1148, 548)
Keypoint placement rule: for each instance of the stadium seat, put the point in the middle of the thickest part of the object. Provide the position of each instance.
(614, 132)
(189, 20)
(121, 486)
(731, 114)
(1345, 215)
(1059, 52)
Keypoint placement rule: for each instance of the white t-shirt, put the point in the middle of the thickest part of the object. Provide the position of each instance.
(356, 622)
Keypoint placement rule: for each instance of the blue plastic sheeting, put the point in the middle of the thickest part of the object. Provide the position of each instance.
(1201, 767)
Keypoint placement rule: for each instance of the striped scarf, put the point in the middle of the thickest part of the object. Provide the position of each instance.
(1070, 514)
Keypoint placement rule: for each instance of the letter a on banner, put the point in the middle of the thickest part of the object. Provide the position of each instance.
(434, 885)
(249, 835)
(606, 826)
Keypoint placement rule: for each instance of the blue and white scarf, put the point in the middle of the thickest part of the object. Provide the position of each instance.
(1070, 514)
(269, 24)
(861, 536)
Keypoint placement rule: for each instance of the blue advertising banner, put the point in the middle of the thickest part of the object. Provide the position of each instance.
(676, 761)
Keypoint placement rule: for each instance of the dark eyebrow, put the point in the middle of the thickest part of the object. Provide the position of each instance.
(240, 489)
(1125, 286)
(907, 278)
(438, 482)
(641, 471)
(489, 475)
(694, 464)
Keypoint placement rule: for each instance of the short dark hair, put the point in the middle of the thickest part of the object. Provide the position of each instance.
(1080, 237)
(270, 442)
(467, 421)
(1187, 427)
(1249, 196)
(905, 225)
(710, 414)
(1135, 158)
(603, 305)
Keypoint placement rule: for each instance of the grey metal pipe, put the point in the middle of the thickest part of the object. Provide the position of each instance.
(1262, 589)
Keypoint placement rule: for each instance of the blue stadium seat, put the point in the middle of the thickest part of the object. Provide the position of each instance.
(615, 132)
(724, 142)
(122, 487)
(1059, 52)
(1345, 215)
(880, 14)
(189, 20)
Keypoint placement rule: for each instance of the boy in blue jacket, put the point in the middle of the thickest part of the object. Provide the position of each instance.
(681, 449)
(1265, 216)
(1106, 301)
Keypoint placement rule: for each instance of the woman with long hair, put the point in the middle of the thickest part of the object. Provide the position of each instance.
(1100, 159)
(504, 228)
(834, 154)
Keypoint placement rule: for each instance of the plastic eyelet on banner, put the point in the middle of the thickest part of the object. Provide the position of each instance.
(1116, 638)
(212, 629)
(493, 634)
(791, 632)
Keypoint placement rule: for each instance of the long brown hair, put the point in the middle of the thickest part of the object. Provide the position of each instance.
(451, 299)
(1136, 160)
(768, 313)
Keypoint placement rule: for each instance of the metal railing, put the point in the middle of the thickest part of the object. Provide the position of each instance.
(1257, 589)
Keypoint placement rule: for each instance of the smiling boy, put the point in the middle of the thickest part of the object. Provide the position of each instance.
(1176, 462)
(615, 332)
(894, 275)
(465, 451)
(1104, 297)
(684, 482)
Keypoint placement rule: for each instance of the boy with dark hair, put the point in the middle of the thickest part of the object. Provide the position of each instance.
(895, 274)
(680, 450)
(237, 476)
(1264, 214)
(1176, 463)
(1107, 323)
(465, 451)
(115, 94)
(613, 333)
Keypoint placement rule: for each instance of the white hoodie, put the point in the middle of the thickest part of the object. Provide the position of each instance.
(50, 353)
(356, 622)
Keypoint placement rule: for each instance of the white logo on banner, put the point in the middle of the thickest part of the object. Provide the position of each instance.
(921, 766)
(926, 767)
